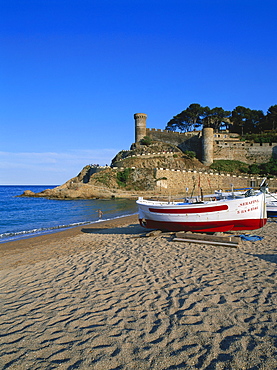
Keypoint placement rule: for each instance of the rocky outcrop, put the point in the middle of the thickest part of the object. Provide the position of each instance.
(132, 173)
(106, 184)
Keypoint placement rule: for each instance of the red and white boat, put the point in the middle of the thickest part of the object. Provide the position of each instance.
(270, 199)
(236, 212)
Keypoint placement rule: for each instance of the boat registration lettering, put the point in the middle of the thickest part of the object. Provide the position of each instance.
(247, 210)
(248, 203)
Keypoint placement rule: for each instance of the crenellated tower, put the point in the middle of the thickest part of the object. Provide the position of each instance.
(208, 145)
(140, 126)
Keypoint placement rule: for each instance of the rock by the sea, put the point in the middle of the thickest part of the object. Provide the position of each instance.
(28, 193)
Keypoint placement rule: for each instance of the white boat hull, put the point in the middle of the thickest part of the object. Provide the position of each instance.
(271, 208)
(211, 216)
(270, 199)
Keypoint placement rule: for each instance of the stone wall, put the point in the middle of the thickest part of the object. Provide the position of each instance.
(185, 141)
(176, 181)
(173, 182)
(266, 150)
(245, 152)
(226, 145)
(171, 137)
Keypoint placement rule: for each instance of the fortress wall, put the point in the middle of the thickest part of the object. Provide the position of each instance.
(170, 137)
(245, 152)
(226, 136)
(152, 131)
(185, 141)
(230, 152)
(266, 149)
(172, 182)
(177, 181)
(226, 146)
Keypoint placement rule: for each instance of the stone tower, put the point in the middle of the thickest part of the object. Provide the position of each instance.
(140, 126)
(207, 146)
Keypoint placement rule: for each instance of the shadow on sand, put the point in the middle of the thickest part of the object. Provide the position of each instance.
(134, 229)
(267, 257)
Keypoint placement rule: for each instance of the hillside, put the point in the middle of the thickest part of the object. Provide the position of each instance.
(131, 172)
(156, 155)
(152, 170)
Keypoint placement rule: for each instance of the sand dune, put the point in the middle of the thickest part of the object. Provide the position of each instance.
(101, 298)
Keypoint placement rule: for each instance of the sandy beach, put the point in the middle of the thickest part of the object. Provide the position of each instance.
(106, 297)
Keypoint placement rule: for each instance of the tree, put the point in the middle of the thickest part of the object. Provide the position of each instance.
(254, 121)
(187, 120)
(193, 115)
(238, 118)
(175, 124)
(216, 117)
(271, 118)
(246, 120)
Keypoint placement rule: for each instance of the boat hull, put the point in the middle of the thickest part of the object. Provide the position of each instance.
(271, 204)
(214, 216)
(271, 209)
(270, 199)
(216, 226)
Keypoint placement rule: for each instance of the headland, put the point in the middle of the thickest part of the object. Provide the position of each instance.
(162, 163)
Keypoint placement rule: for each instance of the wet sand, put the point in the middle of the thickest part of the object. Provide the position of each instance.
(101, 297)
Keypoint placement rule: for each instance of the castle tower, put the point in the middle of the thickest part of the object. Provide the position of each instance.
(140, 126)
(207, 146)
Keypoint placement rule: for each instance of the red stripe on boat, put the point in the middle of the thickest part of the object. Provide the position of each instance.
(200, 227)
(222, 207)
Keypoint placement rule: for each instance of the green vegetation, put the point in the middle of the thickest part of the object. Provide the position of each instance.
(190, 154)
(254, 169)
(268, 137)
(103, 178)
(269, 168)
(123, 176)
(264, 169)
(195, 116)
(225, 165)
(241, 120)
(146, 141)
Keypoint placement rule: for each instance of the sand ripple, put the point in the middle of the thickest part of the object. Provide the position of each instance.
(142, 303)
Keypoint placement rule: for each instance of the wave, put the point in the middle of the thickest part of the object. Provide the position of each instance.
(10, 236)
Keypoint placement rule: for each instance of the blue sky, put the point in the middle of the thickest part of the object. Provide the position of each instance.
(74, 72)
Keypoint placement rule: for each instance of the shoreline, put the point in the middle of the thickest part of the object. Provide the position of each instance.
(54, 230)
(102, 297)
(43, 240)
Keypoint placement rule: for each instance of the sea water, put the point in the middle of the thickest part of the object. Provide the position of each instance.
(22, 216)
